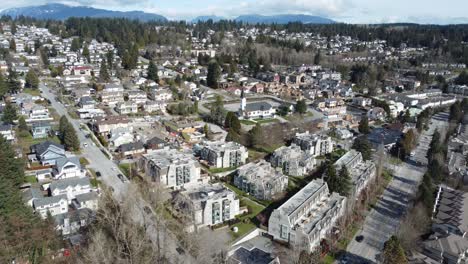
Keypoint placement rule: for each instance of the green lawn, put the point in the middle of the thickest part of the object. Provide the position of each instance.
(220, 170)
(241, 193)
(246, 224)
(328, 259)
(33, 92)
(31, 179)
(247, 122)
(28, 141)
(125, 168)
(266, 121)
(84, 161)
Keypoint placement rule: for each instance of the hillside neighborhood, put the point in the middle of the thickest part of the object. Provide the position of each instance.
(221, 142)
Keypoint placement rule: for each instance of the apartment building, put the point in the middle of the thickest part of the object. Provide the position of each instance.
(206, 205)
(224, 154)
(293, 161)
(170, 167)
(307, 217)
(261, 180)
(360, 171)
(317, 145)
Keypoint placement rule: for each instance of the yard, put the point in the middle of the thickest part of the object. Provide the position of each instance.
(266, 121)
(246, 223)
(26, 142)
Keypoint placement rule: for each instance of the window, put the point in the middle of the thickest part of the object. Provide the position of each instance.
(284, 232)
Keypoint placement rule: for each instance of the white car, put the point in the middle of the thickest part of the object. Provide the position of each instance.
(85, 145)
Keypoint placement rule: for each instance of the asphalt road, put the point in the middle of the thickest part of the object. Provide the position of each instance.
(109, 171)
(385, 218)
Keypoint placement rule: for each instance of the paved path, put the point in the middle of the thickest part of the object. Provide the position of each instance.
(384, 220)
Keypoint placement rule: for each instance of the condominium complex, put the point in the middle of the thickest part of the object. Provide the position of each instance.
(224, 154)
(261, 180)
(360, 171)
(293, 161)
(307, 217)
(316, 145)
(170, 167)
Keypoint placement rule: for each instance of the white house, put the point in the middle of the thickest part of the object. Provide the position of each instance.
(55, 205)
(70, 187)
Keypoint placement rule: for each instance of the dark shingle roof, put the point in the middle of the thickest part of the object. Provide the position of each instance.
(258, 106)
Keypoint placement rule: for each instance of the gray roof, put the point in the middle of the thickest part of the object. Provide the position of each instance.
(62, 161)
(258, 106)
(75, 216)
(63, 184)
(44, 146)
(32, 194)
(254, 256)
(49, 200)
(132, 146)
(86, 197)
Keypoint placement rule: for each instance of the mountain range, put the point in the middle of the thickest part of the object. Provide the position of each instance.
(60, 12)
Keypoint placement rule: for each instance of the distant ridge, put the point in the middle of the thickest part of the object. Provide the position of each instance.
(284, 19)
(61, 12)
(206, 18)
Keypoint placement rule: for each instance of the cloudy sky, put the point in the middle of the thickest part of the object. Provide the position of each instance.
(349, 11)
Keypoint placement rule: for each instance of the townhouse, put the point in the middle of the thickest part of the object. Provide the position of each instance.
(293, 161)
(307, 217)
(314, 144)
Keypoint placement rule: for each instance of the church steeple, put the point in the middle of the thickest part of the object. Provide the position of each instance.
(243, 103)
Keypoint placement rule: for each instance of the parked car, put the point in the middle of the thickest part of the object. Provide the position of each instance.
(98, 174)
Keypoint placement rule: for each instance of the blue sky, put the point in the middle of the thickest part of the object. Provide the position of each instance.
(350, 11)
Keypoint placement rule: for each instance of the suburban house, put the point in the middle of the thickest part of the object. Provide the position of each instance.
(71, 222)
(160, 95)
(360, 171)
(292, 160)
(124, 108)
(224, 154)
(86, 200)
(47, 152)
(206, 205)
(55, 205)
(137, 96)
(307, 217)
(67, 167)
(41, 129)
(261, 180)
(7, 132)
(120, 136)
(70, 187)
(154, 106)
(170, 167)
(105, 125)
(133, 148)
(317, 145)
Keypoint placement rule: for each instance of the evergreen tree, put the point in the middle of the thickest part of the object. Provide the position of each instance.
(13, 45)
(364, 125)
(9, 114)
(393, 253)
(31, 80)
(3, 86)
(301, 107)
(110, 59)
(332, 179)
(344, 188)
(75, 45)
(85, 53)
(70, 139)
(232, 136)
(213, 75)
(318, 58)
(153, 72)
(217, 111)
(363, 145)
(206, 130)
(22, 126)
(103, 72)
(256, 136)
